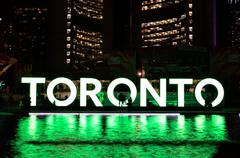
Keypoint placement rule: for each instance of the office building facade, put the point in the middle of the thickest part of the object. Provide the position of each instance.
(84, 32)
(166, 23)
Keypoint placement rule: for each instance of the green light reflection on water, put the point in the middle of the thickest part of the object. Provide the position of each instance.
(218, 125)
(214, 125)
(120, 128)
(181, 121)
(32, 125)
(59, 127)
(182, 127)
(119, 136)
(200, 121)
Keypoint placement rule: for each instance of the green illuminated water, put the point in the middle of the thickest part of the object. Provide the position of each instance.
(119, 136)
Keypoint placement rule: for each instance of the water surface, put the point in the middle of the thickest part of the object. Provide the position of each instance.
(117, 136)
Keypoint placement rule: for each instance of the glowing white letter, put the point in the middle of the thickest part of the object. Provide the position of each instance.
(145, 85)
(91, 93)
(213, 82)
(33, 86)
(181, 83)
(114, 83)
(69, 83)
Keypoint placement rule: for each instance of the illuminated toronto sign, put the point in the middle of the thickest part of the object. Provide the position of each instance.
(145, 86)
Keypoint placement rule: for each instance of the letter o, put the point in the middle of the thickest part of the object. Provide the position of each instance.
(69, 83)
(114, 83)
(213, 82)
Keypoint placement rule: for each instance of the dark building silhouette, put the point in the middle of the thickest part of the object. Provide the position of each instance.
(234, 24)
(23, 33)
(6, 30)
(228, 23)
(30, 26)
(23, 30)
(121, 24)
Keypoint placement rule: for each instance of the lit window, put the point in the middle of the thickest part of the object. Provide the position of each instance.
(69, 9)
(68, 46)
(68, 53)
(190, 28)
(68, 16)
(68, 23)
(190, 13)
(68, 38)
(68, 30)
(190, 5)
(68, 61)
(190, 36)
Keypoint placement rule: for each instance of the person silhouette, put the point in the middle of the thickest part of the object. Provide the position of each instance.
(129, 102)
(208, 102)
(121, 98)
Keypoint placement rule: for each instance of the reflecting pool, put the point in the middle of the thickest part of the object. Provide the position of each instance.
(179, 136)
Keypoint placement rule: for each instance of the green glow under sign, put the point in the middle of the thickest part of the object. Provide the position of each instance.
(119, 136)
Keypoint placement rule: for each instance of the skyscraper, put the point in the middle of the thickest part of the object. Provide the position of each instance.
(30, 26)
(229, 23)
(75, 34)
(165, 23)
(174, 35)
(23, 33)
(6, 29)
(7, 44)
(84, 23)
(233, 32)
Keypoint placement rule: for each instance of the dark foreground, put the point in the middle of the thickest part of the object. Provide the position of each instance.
(115, 135)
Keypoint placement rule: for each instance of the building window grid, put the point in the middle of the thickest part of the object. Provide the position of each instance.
(167, 32)
(33, 17)
(88, 43)
(155, 33)
(85, 44)
(156, 4)
(92, 9)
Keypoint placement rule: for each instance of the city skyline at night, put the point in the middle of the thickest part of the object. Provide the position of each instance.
(109, 39)
(86, 22)
(120, 78)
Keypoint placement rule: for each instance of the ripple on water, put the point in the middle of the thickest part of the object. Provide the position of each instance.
(119, 136)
